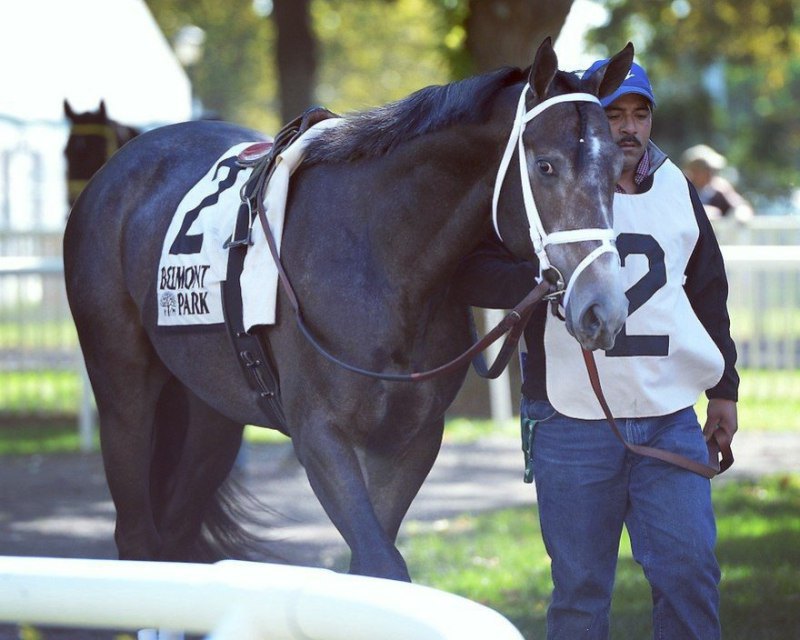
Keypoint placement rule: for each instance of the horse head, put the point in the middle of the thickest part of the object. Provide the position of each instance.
(569, 166)
(93, 139)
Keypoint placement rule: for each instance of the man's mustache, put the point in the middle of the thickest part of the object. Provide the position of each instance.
(629, 140)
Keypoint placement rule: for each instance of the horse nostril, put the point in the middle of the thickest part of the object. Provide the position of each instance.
(591, 321)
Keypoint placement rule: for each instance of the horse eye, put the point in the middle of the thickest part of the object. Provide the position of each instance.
(545, 167)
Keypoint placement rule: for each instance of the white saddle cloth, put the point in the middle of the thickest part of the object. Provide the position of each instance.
(188, 284)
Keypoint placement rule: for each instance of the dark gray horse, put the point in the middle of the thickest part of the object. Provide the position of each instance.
(378, 218)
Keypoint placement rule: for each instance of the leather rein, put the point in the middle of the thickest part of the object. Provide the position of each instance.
(718, 443)
(512, 324)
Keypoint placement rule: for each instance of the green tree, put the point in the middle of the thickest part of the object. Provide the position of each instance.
(508, 32)
(234, 76)
(265, 61)
(295, 57)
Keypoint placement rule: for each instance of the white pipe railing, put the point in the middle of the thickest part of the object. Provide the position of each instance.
(234, 600)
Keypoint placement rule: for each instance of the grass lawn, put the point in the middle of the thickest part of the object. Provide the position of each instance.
(499, 560)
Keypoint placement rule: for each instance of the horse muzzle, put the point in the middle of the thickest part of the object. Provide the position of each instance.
(598, 306)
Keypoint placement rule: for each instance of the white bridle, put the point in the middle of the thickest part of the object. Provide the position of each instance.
(540, 238)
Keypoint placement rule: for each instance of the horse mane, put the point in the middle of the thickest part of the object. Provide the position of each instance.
(373, 133)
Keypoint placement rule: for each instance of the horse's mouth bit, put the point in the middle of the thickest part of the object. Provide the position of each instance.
(557, 290)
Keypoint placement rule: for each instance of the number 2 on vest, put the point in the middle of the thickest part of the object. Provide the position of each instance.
(627, 345)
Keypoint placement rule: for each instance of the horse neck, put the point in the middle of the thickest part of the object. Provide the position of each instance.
(440, 204)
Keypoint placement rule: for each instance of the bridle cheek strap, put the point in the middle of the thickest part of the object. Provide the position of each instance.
(539, 237)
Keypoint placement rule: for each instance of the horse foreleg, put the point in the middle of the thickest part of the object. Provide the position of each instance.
(335, 475)
(396, 467)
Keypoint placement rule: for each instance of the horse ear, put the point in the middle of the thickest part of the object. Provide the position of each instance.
(544, 68)
(68, 110)
(102, 110)
(610, 76)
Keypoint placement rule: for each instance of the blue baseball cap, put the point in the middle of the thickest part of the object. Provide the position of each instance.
(636, 82)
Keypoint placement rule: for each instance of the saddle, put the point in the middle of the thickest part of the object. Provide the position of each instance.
(252, 349)
(268, 150)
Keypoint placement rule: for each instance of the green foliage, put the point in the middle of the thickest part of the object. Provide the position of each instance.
(235, 77)
(498, 559)
(370, 52)
(39, 393)
(726, 73)
(373, 51)
(40, 439)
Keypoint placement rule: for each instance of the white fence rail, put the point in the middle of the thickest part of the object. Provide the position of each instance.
(764, 304)
(234, 600)
(760, 230)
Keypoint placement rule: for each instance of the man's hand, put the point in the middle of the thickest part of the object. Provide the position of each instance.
(721, 414)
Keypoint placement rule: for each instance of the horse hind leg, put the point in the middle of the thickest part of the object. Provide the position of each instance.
(195, 449)
(127, 396)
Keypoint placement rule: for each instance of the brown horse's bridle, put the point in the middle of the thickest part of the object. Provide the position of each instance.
(100, 130)
(539, 236)
(513, 324)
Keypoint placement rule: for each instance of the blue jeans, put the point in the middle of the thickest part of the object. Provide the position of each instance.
(588, 485)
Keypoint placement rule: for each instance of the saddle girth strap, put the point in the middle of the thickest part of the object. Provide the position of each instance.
(252, 352)
(716, 445)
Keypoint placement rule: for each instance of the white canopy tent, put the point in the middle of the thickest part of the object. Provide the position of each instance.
(84, 51)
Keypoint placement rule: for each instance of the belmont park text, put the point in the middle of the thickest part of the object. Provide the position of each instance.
(181, 279)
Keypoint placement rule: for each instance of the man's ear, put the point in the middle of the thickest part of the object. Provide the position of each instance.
(607, 79)
(544, 68)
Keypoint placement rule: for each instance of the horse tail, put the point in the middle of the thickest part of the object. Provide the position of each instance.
(228, 527)
(217, 515)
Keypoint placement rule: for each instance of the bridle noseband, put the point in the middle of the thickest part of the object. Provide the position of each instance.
(101, 130)
(540, 238)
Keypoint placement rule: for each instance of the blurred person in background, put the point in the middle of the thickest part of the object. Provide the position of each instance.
(702, 165)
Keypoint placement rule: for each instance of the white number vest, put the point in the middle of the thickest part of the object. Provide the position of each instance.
(663, 358)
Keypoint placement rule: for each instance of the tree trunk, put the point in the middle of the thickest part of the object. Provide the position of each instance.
(508, 32)
(296, 56)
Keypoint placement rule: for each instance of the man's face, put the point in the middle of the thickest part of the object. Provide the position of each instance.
(631, 121)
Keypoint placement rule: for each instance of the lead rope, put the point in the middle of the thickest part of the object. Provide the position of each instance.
(717, 444)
